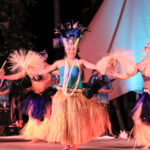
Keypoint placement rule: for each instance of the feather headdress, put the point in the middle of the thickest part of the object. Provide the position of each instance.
(70, 30)
(118, 62)
(25, 61)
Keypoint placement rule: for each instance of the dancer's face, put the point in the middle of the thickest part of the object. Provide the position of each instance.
(147, 49)
(71, 50)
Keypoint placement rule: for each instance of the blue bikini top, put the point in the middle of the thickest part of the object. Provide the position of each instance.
(73, 77)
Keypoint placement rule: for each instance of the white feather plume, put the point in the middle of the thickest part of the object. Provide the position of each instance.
(25, 61)
(118, 62)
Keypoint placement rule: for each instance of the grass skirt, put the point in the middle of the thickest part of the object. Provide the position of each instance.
(31, 129)
(141, 132)
(36, 104)
(141, 117)
(74, 119)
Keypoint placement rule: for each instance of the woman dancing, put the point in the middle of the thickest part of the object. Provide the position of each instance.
(141, 111)
(38, 103)
(74, 119)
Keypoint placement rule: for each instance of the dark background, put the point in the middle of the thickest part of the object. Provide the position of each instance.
(30, 24)
(41, 21)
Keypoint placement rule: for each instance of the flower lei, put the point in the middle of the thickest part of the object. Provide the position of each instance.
(67, 77)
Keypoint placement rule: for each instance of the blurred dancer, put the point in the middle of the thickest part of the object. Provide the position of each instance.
(38, 103)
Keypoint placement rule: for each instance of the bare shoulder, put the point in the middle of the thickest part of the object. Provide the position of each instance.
(60, 62)
(46, 65)
(81, 61)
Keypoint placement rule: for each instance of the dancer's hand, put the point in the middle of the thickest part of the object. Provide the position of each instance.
(101, 90)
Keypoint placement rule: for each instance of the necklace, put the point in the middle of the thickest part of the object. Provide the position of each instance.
(67, 77)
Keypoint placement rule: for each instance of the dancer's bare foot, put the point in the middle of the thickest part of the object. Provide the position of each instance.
(34, 140)
(70, 147)
(67, 147)
(145, 147)
(73, 147)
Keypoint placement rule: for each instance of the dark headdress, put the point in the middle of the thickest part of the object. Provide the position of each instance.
(70, 30)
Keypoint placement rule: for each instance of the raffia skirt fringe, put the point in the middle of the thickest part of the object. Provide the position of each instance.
(74, 119)
(32, 129)
(141, 128)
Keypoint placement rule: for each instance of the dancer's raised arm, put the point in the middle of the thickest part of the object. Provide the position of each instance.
(120, 64)
(88, 64)
(123, 75)
(13, 76)
(50, 68)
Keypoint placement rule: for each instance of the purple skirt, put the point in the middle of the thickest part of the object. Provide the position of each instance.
(145, 113)
(37, 103)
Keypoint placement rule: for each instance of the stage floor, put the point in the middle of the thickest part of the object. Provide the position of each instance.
(101, 143)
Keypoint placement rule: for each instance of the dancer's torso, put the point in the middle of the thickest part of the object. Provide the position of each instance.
(73, 77)
(42, 83)
(146, 81)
